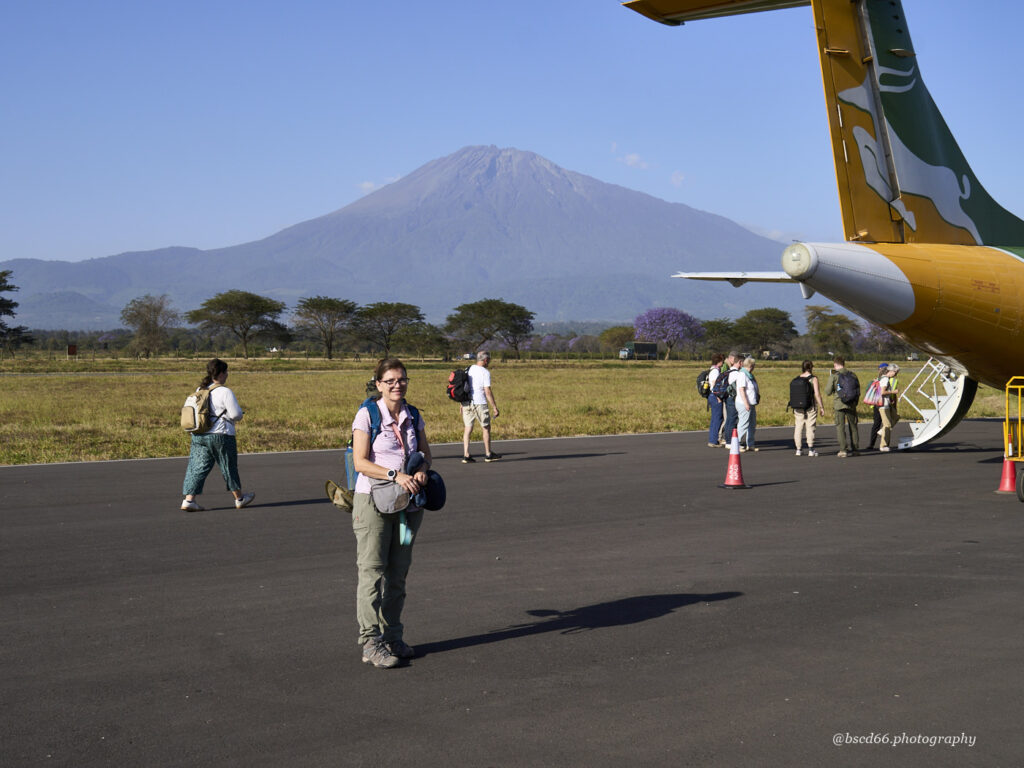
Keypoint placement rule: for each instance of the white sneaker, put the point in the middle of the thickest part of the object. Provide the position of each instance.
(245, 501)
(884, 450)
(190, 506)
(798, 453)
(812, 452)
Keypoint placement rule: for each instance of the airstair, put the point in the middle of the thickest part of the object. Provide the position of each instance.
(934, 402)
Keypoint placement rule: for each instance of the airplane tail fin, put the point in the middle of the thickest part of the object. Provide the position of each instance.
(902, 177)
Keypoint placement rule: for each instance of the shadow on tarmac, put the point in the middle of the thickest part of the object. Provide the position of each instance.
(630, 610)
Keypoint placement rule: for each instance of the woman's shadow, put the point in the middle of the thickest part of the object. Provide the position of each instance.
(630, 610)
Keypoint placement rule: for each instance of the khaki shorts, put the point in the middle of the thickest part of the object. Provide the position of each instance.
(476, 412)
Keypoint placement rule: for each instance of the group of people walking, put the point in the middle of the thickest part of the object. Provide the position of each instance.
(733, 395)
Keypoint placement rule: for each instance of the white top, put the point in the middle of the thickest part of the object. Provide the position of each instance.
(712, 376)
(481, 377)
(883, 382)
(735, 377)
(751, 387)
(226, 411)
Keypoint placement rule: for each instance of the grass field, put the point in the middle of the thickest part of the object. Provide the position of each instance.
(89, 410)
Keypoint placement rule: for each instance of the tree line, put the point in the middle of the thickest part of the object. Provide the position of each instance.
(762, 332)
(330, 324)
(333, 322)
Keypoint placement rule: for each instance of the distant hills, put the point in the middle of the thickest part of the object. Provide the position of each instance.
(480, 223)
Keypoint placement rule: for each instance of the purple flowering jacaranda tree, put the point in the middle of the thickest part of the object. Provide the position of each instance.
(668, 326)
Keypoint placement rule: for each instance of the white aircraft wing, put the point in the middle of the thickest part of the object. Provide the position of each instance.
(739, 278)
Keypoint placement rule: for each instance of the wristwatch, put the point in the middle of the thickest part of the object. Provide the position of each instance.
(392, 474)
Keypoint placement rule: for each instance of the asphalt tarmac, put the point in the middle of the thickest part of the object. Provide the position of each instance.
(582, 602)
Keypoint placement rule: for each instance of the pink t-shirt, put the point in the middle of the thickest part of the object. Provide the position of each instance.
(386, 451)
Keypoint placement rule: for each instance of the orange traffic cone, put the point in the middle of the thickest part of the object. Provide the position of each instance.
(1008, 482)
(734, 472)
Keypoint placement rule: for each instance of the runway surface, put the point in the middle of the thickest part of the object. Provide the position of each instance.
(582, 602)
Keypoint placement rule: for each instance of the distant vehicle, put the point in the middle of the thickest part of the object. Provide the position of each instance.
(913, 356)
(639, 350)
(467, 356)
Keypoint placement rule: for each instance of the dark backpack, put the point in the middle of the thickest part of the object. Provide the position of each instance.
(703, 388)
(801, 393)
(721, 388)
(848, 388)
(460, 386)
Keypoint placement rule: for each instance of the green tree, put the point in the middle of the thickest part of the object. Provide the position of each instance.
(767, 328)
(151, 318)
(479, 322)
(378, 323)
(328, 318)
(719, 336)
(833, 333)
(10, 338)
(615, 338)
(423, 339)
(246, 315)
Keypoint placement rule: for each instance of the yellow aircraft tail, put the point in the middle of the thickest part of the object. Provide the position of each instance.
(902, 177)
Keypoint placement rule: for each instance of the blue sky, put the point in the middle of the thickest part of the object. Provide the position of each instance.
(133, 126)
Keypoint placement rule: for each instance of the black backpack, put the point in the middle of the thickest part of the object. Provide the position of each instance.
(703, 388)
(848, 388)
(460, 386)
(801, 393)
(721, 388)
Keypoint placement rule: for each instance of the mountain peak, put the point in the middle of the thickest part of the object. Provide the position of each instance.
(482, 221)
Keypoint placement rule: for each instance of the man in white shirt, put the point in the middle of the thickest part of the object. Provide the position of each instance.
(482, 408)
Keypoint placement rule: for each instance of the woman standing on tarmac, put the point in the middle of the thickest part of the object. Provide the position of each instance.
(747, 397)
(382, 556)
(217, 445)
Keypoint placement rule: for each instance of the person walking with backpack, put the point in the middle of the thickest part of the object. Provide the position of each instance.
(383, 556)
(481, 408)
(217, 445)
(805, 400)
(747, 397)
(846, 388)
(714, 404)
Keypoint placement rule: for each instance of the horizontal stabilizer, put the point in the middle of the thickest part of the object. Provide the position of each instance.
(675, 12)
(738, 278)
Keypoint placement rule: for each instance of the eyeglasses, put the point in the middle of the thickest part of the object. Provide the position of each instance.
(395, 382)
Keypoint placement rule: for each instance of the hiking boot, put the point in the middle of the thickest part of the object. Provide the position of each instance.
(400, 649)
(245, 501)
(492, 457)
(468, 460)
(190, 506)
(376, 652)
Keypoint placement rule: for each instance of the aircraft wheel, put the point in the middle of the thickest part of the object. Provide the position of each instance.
(1020, 485)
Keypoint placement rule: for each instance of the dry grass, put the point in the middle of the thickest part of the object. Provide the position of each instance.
(122, 409)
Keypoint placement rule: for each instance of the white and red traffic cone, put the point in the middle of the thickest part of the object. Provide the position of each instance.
(734, 472)
(1008, 482)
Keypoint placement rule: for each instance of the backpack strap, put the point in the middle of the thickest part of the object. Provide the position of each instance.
(370, 404)
(210, 389)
